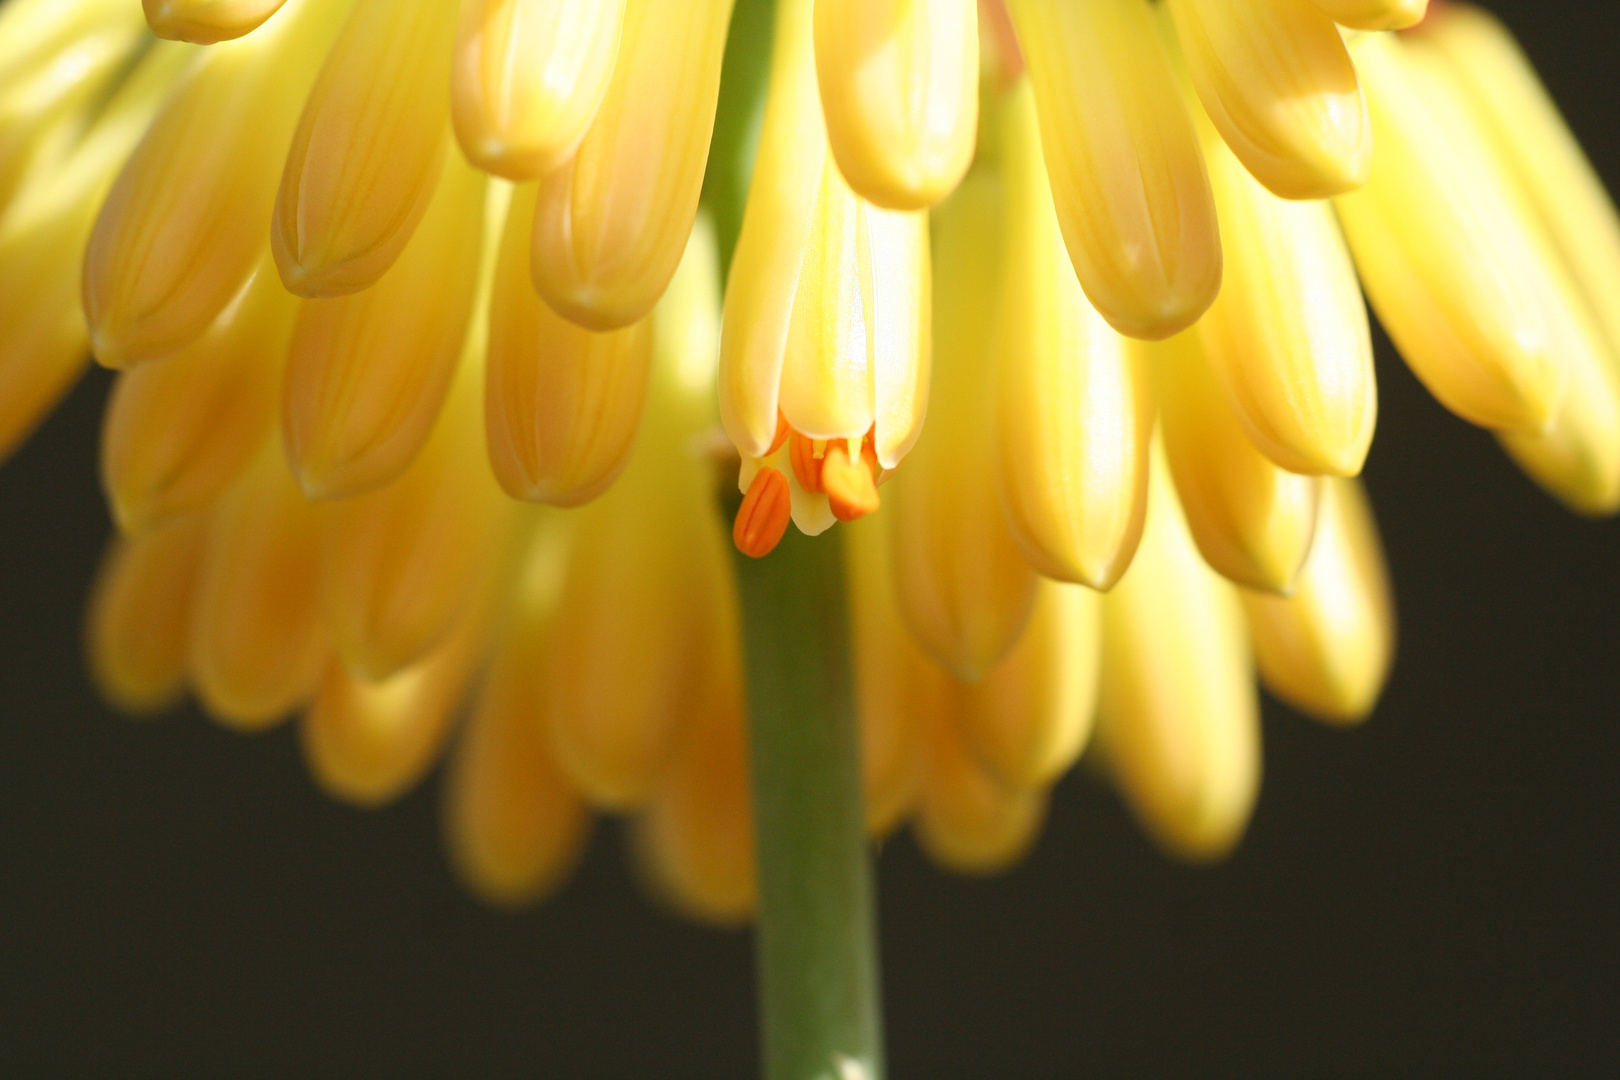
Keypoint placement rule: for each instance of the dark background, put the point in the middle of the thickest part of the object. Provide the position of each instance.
(1437, 893)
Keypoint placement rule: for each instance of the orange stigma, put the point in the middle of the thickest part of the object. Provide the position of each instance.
(850, 482)
(763, 516)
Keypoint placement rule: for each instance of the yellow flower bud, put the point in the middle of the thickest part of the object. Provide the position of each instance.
(1288, 337)
(562, 404)
(179, 430)
(368, 742)
(1178, 718)
(1447, 257)
(513, 824)
(827, 305)
(140, 615)
(966, 822)
(1375, 14)
(964, 587)
(1126, 174)
(1276, 79)
(183, 227)
(206, 22)
(1326, 648)
(367, 373)
(257, 644)
(1029, 718)
(610, 225)
(899, 85)
(529, 76)
(1252, 520)
(1075, 411)
(368, 149)
(43, 337)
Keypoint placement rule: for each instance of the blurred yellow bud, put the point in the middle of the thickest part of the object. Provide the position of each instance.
(899, 86)
(966, 821)
(1326, 648)
(529, 76)
(205, 22)
(1375, 14)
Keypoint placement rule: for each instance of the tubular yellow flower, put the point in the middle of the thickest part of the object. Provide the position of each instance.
(513, 824)
(1126, 174)
(139, 620)
(1326, 648)
(403, 563)
(658, 595)
(183, 227)
(1275, 78)
(1447, 259)
(967, 822)
(368, 149)
(1177, 716)
(43, 335)
(367, 373)
(1252, 520)
(899, 86)
(610, 225)
(1029, 718)
(179, 430)
(1375, 14)
(257, 645)
(561, 403)
(964, 587)
(529, 76)
(205, 22)
(1075, 410)
(368, 742)
(1288, 336)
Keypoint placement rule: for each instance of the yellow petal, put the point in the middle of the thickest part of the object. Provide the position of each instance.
(1447, 258)
(1126, 174)
(207, 21)
(1288, 338)
(368, 742)
(257, 645)
(1178, 720)
(403, 563)
(183, 227)
(1327, 648)
(1276, 79)
(368, 149)
(140, 615)
(562, 403)
(1075, 411)
(1029, 718)
(964, 588)
(695, 839)
(648, 589)
(367, 373)
(611, 225)
(1252, 520)
(1375, 14)
(897, 689)
(179, 430)
(899, 83)
(43, 337)
(966, 822)
(529, 76)
(512, 822)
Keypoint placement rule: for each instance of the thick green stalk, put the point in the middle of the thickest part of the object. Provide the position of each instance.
(817, 938)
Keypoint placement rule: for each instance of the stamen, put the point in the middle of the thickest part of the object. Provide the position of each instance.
(782, 432)
(807, 463)
(763, 516)
(848, 473)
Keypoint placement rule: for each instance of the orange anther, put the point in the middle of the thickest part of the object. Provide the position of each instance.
(850, 484)
(782, 432)
(806, 463)
(763, 516)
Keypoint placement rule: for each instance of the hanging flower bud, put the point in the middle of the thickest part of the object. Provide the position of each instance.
(205, 22)
(966, 821)
(1375, 14)
(529, 76)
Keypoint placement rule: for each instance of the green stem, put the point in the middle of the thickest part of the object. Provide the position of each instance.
(816, 945)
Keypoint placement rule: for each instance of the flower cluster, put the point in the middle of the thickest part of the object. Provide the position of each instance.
(424, 355)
